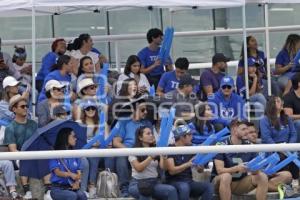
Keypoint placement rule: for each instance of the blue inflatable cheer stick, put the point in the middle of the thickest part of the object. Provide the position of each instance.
(254, 162)
(282, 164)
(204, 159)
(102, 81)
(113, 133)
(165, 134)
(152, 91)
(4, 122)
(272, 158)
(296, 161)
(102, 128)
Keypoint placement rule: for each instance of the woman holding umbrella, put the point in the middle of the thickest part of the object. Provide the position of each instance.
(66, 172)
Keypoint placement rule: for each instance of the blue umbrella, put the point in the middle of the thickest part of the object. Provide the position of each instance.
(44, 139)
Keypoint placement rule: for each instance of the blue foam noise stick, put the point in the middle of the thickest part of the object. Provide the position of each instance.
(281, 164)
(260, 165)
(165, 132)
(113, 132)
(204, 159)
(254, 162)
(4, 122)
(102, 81)
(296, 161)
(152, 91)
(101, 131)
(67, 100)
(166, 45)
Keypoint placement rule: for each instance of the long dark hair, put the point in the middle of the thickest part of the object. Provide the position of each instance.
(61, 142)
(290, 44)
(138, 144)
(242, 56)
(78, 42)
(131, 59)
(80, 69)
(95, 119)
(63, 59)
(200, 123)
(271, 113)
(124, 88)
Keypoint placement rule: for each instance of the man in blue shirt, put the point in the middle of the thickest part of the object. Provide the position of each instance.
(151, 65)
(170, 80)
(225, 104)
(126, 139)
(210, 79)
(230, 173)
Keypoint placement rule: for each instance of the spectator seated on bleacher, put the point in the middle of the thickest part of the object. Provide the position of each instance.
(210, 79)
(55, 96)
(179, 169)
(58, 48)
(133, 70)
(230, 174)
(283, 177)
(225, 104)
(170, 80)
(145, 182)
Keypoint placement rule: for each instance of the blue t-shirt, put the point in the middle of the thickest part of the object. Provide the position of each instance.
(73, 164)
(55, 75)
(241, 87)
(283, 58)
(209, 78)
(148, 57)
(270, 135)
(168, 82)
(128, 129)
(47, 62)
(233, 159)
(260, 59)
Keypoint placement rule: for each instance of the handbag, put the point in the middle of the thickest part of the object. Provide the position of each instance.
(146, 186)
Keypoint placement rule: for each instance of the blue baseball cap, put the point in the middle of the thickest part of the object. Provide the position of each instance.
(227, 80)
(89, 103)
(252, 62)
(182, 130)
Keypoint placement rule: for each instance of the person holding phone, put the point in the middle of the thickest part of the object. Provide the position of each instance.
(230, 173)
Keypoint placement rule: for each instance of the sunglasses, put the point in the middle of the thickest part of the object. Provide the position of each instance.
(90, 108)
(226, 87)
(23, 106)
(58, 89)
(92, 87)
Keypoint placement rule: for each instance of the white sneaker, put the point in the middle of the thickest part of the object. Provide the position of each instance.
(47, 195)
(92, 193)
(28, 195)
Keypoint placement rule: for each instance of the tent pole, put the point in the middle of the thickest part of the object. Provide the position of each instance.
(33, 46)
(246, 62)
(267, 37)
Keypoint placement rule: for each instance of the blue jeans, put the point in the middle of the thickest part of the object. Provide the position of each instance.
(60, 194)
(90, 169)
(193, 189)
(160, 191)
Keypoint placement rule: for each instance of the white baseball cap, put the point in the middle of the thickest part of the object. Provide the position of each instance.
(84, 83)
(10, 81)
(53, 84)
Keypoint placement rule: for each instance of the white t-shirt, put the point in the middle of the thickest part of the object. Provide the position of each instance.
(78, 55)
(143, 81)
(149, 172)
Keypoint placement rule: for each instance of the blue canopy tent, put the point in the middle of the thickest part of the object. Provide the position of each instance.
(44, 139)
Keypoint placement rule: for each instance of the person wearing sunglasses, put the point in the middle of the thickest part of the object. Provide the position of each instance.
(55, 95)
(86, 89)
(225, 104)
(16, 134)
(126, 139)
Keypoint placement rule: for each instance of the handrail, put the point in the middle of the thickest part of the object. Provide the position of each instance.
(29, 155)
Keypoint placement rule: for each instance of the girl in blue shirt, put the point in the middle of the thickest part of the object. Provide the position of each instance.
(66, 172)
(277, 127)
(202, 126)
(285, 59)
